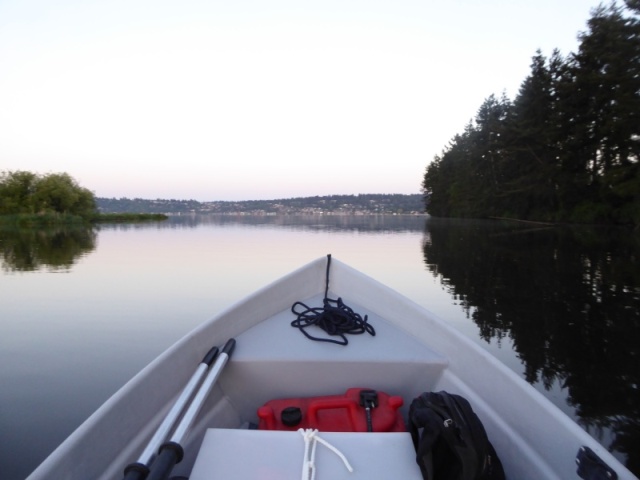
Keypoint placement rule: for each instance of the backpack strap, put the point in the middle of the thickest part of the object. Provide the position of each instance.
(458, 435)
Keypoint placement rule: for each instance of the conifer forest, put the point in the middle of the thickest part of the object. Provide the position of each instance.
(566, 149)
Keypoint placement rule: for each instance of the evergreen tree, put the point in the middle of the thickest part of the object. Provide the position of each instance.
(633, 5)
(567, 149)
(531, 157)
(488, 155)
(448, 179)
(604, 116)
(466, 180)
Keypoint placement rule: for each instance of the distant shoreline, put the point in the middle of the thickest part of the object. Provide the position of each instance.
(333, 204)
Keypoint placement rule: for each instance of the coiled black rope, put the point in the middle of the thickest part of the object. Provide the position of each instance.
(334, 317)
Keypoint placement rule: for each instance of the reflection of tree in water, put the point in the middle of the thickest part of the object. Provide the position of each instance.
(569, 298)
(54, 248)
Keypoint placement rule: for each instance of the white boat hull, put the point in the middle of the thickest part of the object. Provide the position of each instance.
(412, 352)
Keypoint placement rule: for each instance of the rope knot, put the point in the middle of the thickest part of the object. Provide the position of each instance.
(334, 317)
(311, 439)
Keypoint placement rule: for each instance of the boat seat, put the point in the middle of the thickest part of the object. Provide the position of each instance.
(255, 455)
(274, 360)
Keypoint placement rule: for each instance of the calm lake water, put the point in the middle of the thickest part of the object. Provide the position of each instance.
(82, 311)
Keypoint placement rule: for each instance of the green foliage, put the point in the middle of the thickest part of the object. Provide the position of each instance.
(566, 149)
(41, 219)
(16, 192)
(49, 196)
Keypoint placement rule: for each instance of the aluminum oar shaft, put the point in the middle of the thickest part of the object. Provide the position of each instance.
(171, 452)
(139, 470)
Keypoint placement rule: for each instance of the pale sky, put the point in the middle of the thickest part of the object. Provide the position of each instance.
(248, 99)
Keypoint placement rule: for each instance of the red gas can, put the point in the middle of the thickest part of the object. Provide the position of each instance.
(358, 410)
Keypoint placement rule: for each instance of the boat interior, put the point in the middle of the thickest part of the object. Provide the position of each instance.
(273, 360)
(411, 352)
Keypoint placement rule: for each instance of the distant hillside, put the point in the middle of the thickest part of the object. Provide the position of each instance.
(331, 205)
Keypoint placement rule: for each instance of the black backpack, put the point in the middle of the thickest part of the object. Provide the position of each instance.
(450, 441)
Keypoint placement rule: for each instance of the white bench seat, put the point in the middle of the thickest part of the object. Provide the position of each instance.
(258, 455)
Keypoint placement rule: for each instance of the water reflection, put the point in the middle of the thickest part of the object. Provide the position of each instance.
(57, 249)
(54, 249)
(331, 223)
(568, 298)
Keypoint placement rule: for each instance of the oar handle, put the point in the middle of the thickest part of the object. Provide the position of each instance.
(136, 471)
(171, 452)
(210, 356)
(229, 346)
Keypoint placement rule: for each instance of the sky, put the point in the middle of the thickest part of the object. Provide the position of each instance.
(247, 99)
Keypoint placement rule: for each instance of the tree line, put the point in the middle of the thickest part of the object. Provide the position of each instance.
(27, 193)
(57, 196)
(566, 149)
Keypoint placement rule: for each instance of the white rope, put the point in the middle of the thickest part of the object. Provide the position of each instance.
(311, 439)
